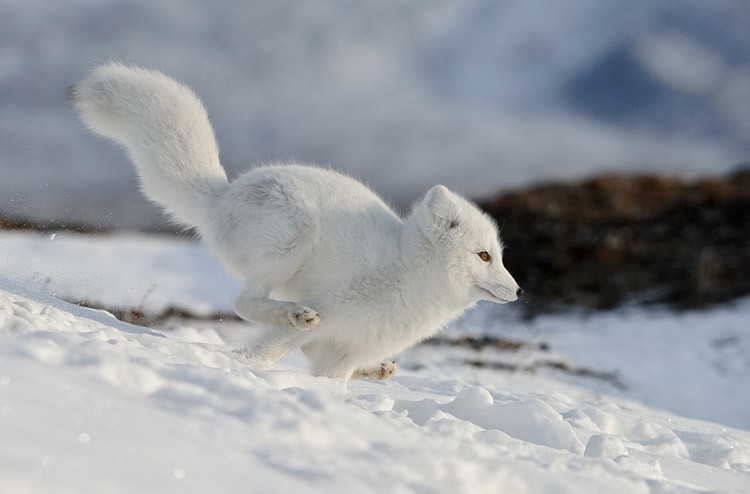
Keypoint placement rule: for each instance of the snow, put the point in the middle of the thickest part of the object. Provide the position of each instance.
(91, 404)
(147, 272)
(694, 363)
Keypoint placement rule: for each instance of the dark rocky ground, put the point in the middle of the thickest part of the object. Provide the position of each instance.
(612, 240)
(615, 240)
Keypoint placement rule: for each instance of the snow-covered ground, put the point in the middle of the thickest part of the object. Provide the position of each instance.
(91, 404)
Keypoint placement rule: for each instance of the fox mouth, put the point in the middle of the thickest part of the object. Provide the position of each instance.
(495, 297)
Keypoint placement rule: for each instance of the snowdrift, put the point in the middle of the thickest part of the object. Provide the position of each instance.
(91, 404)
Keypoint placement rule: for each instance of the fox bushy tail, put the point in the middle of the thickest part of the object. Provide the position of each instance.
(165, 130)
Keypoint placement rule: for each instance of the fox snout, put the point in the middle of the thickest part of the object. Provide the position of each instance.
(500, 287)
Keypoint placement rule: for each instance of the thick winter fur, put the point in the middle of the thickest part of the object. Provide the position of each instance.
(327, 265)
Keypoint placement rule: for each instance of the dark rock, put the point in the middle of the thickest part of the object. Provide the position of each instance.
(616, 239)
(11, 223)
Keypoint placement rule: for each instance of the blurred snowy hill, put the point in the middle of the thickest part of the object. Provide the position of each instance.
(479, 95)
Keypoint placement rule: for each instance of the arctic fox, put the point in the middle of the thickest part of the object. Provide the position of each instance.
(327, 265)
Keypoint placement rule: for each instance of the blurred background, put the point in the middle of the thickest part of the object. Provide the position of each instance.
(481, 95)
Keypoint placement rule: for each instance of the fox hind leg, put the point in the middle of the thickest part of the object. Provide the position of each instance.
(273, 344)
(332, 360)
(328, 359)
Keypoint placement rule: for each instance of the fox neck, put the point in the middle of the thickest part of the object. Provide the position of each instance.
(424, 281)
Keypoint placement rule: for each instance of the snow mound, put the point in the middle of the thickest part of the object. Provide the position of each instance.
(88, 403)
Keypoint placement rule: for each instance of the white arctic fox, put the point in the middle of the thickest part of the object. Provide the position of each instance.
(327, 265)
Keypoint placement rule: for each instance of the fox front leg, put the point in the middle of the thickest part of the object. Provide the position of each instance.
(256, 307)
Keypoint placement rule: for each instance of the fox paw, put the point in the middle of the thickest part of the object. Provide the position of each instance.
(303, 318)
(379, 373)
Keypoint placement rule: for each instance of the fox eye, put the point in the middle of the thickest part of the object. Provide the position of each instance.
(485, 256)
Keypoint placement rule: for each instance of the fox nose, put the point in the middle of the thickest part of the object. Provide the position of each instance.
(519, 292)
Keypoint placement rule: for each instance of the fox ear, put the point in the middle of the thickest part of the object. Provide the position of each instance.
(441, 207)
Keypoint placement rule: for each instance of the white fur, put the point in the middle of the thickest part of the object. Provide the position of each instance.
(327, 265)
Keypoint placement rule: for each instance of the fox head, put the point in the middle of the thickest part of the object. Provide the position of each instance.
(467, 246)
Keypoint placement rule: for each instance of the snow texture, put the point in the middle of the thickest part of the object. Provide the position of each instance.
(91, 404)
